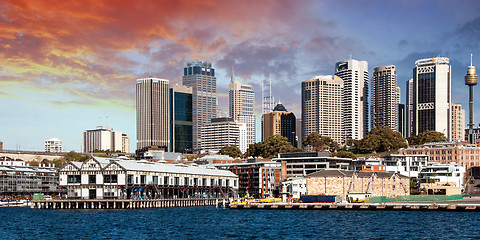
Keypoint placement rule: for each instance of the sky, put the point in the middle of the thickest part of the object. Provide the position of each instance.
(69, 66)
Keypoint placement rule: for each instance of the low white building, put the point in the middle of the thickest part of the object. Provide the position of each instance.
(53, 145)
(295, 186)
(451, 174)
(99, 178)
(406, 165)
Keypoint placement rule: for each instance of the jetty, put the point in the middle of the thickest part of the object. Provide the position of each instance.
(361, 206)
(123, 203)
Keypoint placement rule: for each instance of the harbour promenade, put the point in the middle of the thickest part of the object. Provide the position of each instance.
(123, 203)
(414, 206)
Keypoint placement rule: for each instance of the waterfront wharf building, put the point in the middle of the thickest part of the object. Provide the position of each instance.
(241, 108)
(322, 109)
(53, 145)
(300, 164)
(431, 96)
(102, 178)
(26, 180)
(279, 122)
(152, 107)
(200, 76)
(181, 119)
(385, 98)
(458, 123)
(259, 179)
(105, 139)
(342, 183)
(220, 132)
(355, 78)
(446, 152)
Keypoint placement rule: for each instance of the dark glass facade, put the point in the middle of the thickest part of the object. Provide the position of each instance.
(181, 132)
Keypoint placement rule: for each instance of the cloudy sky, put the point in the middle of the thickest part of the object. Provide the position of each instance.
(68, 66)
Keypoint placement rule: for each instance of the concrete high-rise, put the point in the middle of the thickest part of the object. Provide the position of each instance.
(431, 96)
(218, 133)
(322, 109)
(152, 107)
(200, 76)
(458, 123)
(103, 138)
(241, 107)
(181, 119)
(409, 110)
(385, 98)
(279, 122)
(354, 74)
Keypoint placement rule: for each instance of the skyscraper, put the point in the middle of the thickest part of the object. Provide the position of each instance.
(458, 123)
(268, 102)
(385, 98)
(409, 110)
(241, 107)
(200, 76)
(279, 122)
(181, 119)
(152, 113)
(220, 132)
(355, 97)
(322, 109)
(431, 96)
(105, 139)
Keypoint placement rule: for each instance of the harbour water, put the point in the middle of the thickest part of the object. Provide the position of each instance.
(213, 223)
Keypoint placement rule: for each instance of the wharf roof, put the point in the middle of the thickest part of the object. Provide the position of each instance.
(27, 169)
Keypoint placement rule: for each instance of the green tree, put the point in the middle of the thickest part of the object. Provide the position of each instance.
(382, 139)
(74, 157)
(426, 137)
(343, 154)
(319, 142)
(271, 147)
(255, 150)
(231, 150)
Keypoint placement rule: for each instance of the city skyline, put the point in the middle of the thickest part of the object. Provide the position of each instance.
(71, 67)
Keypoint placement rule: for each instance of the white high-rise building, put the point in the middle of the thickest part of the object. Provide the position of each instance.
(409, 110)
(53, 145)
(103, 138)
(241, 107)
(458, 123)
(220, 132)
(322, 109)
(354, 74)
(385, 98)
(200, 76)
(432, 96)
(152, 107)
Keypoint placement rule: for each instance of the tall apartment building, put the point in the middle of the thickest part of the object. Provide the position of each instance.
(105, 139)
(432, 96)
(200, 76)
(152, 112)
(385, 97)
(241, 107)
(218, 133)
(181, 133)
(279, 122)
(53, 145)
(322, 109)
(458, 123)
(409, 109)
(354, 74)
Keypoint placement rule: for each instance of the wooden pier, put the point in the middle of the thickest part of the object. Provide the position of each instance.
(123, 203)
(361, 206)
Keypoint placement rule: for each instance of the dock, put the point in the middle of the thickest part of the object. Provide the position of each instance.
(361, 206)
(123, 203)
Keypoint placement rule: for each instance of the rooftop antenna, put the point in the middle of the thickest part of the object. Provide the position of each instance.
(471, 59)
(350, 56)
